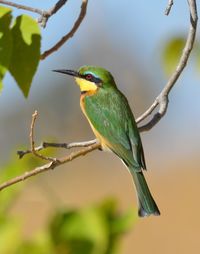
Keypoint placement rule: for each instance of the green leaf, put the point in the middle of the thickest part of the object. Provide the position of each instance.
(10, 233)
(123, 223)
(14, 168)
(38, 244)
(90, 230)
(5, 41)
(26, 51)
(79, 232)
(171, 53)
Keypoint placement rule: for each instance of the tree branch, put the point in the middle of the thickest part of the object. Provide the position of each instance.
(54, 162)
(47, 14)
(169, 6)
(59, 145)
(33, 150)
(70, 34)
(50, 165)
(23, 7)
(163, 98)
(44, 15)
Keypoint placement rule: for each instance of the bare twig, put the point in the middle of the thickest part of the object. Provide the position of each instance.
(54, 162)
(162, 99)
(23, 7)
(70, 34)
(70, 145)
(50, 165)
(169, 6)
(61, 145)
(44, 15)
(33, 150)
(47, 14)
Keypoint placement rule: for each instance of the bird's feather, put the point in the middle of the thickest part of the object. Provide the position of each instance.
(112, 121)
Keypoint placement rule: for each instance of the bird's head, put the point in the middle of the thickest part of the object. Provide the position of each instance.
(91, 78)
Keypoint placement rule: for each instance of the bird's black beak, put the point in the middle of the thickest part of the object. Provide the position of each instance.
(69, 72)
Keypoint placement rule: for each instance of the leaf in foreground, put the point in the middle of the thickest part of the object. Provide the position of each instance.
(5, 41)
(26, 51)
(172, 52)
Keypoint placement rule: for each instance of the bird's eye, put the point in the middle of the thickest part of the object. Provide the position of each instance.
(89, 76)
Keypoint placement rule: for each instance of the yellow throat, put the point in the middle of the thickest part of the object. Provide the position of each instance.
(86, 85)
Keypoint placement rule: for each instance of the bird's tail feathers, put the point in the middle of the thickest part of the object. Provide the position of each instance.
(147, 205)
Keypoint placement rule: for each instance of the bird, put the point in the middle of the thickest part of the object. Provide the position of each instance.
(108, 112)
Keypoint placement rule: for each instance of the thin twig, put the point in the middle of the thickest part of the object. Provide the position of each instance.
(50, 165)
(169, 6)
(47, 14)
(70, 34)
(61, 145)
(23, 7)
(33, 150)
(44, 15)
(162, 99)
(70, 145)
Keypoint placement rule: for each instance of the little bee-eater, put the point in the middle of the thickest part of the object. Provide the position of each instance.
(112, 121)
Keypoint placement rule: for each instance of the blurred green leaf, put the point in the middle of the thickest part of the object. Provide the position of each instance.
(14, 168)
(26, 51)
(91, 230)
(10, 225)
(117, 223)
(171, 53)
(7, 196)
(41, 244)
(79, 232)
(10, 236)
(5, 41)
(123, 223)
(30, 248)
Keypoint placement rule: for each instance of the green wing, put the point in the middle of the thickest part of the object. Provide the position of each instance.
(110, 114)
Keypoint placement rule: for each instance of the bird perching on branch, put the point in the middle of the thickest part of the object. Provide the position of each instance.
(112, 121)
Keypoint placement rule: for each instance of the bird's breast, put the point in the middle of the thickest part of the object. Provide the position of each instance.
(101, 139)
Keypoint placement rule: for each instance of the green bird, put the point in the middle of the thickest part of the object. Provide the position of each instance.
(112, 121)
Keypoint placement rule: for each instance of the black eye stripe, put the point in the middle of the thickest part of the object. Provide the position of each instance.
(96, 80)
(91, 78)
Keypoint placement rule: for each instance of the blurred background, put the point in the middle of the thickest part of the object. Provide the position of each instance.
(127, 38)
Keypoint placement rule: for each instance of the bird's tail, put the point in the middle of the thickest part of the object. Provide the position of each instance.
(147, 205)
